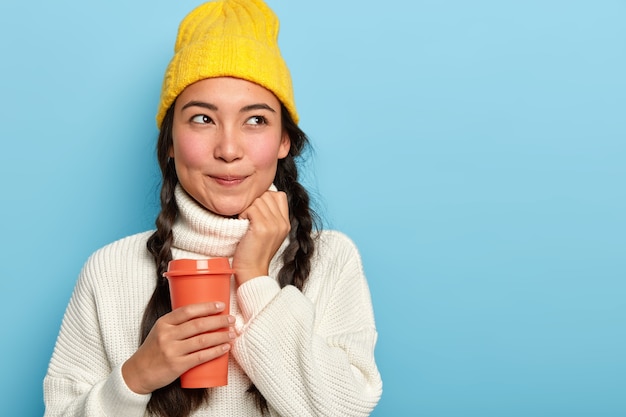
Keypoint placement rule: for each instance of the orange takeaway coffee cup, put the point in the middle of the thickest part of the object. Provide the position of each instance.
(198, 281)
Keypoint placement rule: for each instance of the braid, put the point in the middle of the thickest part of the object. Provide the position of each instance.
(172, 399)
(159, 245)
(297, 255)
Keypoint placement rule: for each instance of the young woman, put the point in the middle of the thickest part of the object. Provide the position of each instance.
(301, 331)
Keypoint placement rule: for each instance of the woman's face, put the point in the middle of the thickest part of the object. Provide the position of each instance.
(227, 140)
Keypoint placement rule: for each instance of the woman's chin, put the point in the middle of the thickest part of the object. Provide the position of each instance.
(227, 211)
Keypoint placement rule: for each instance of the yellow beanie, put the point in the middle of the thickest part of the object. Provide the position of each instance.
(234, 38)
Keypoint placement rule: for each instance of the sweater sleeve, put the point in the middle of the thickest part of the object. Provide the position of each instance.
(80, 380)
(313, 356)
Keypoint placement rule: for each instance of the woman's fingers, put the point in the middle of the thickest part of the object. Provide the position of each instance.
(178, 341)
(203, 348)
(269, 216)
(269, 226)
(199, 326)
(199, 330)
(191, 311)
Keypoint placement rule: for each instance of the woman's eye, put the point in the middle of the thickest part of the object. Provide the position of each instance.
(201, 119)
(256, 120)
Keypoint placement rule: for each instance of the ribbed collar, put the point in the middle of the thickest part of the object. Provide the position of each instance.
(202, 232)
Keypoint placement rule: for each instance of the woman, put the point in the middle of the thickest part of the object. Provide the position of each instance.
(301, 331)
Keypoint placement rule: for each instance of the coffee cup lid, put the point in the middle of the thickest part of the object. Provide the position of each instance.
(179, 267)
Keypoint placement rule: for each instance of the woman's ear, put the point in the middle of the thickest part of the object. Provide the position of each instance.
(285, 145)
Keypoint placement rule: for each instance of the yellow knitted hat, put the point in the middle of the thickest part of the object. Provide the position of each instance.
(235, 38)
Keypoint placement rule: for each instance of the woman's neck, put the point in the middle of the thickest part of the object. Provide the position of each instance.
(198, 231)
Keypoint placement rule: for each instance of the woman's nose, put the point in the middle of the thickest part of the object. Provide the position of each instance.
(228, 147)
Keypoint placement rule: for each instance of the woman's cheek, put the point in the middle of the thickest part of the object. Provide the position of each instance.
(264, 154)
(192, 152)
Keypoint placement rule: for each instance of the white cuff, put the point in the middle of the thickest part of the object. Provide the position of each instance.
(255, 294)
(119, 400)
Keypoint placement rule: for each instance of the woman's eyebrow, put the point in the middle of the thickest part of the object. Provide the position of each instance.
(259, 106)
(202, 104)
(213, 107)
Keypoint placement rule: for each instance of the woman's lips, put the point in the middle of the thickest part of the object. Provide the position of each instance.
(228, 180)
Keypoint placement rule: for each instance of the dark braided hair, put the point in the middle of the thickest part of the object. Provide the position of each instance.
(172, 400)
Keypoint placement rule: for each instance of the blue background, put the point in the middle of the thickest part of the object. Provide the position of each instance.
(475, 151)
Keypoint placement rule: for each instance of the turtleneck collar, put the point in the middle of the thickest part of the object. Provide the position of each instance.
(201, 232)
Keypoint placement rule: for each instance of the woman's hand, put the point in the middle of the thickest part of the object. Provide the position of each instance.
(269, 226)
(177, 342)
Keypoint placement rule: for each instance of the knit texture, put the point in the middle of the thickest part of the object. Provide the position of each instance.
(228, 38)
(310, 353)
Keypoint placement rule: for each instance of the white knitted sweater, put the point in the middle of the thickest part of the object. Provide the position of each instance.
(310, 353)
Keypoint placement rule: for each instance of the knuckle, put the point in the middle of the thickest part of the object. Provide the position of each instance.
(160, 339)
(202, 356)
(170, 355)
(197, 326)
(202, 342)
(205, 355)
(188, 310)
(160, 324)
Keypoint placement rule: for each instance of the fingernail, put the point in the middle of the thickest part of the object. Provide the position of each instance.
(219, 305)
(232, 335)
(231, 319)
(226, 348)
